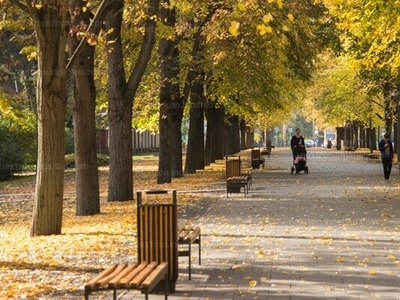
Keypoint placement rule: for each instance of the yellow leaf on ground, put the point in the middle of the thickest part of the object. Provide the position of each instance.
(252, 283)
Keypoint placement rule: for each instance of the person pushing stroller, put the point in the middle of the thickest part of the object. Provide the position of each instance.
(297, 140)
(299, 152)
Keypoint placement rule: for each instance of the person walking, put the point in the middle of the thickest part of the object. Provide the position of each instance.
(296, 141)
(386, 148)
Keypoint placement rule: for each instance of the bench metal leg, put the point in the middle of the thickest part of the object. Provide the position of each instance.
(199, 242)
(166, 285)
(190, 260)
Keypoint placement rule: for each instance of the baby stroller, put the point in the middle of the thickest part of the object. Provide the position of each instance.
(299, 160)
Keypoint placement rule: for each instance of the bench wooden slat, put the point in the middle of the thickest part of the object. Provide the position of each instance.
(194, 234)
(107, 279)
(106, 272)
(125, 281)
(155, 276)
(137, 281)
(183, 232)
(116, 280)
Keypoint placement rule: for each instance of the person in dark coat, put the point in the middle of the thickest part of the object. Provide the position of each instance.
(386, 148)
(297, 140)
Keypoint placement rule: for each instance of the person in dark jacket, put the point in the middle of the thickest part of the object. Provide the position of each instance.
(386, 148)
(297, 141)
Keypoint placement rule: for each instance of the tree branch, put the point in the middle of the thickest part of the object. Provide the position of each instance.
(92, 25)
(20, 4)
(145, 51)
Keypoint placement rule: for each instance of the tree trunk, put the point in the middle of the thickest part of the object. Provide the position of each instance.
(195, 149)
(233, 135)
(171, 107)
(120, 98)
(243, 135)
(51, 106)
(219, 134)
(84, 108)
(209, 112)
(120, 185)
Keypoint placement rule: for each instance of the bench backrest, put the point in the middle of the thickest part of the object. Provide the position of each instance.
(255, 154)
(157, 233)
(233, 167)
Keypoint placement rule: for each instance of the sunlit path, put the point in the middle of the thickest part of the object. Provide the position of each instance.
(329, 234)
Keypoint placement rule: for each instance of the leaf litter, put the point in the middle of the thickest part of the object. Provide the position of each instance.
(57, 266)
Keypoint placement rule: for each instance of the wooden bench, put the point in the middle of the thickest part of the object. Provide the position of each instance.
(266, 152)
(143, 277)
(257, 159)
(235, 179)
(371, 157)
(188, 236)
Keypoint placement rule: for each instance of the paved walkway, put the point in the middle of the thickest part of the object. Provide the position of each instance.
(331, 234)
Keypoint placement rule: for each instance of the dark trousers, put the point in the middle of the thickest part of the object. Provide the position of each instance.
(387, 166)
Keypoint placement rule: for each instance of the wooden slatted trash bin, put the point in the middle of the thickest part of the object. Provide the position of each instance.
(157, 234)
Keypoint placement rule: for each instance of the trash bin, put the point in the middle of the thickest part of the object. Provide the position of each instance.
(157, 233)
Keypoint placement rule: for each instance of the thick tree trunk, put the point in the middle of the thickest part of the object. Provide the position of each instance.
(120, 185)
(84, 107)
(171, 106)
(51, 103)
(176, 164)
(219, 134)
(233, 135)
(243, 134)
(120, 97)
(195, 150)
(209, 112)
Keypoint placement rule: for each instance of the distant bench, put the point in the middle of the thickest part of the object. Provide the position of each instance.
(266, 152)
(371, 157)
(235, 178)
(256, 159)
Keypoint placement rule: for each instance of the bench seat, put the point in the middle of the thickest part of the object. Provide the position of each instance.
(235, 183)
(266, 152)
(257, 162)
(188, 236)
(143, 277)
(371, 157)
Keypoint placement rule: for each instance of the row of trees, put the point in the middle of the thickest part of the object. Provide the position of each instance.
(238, 64)
(357, 81)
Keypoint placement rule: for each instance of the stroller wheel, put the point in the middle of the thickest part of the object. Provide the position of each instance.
(292, 170)
(306, 170)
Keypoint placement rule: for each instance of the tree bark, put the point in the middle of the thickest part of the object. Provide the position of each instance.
(243, 135)
(84, 108)
(195, 150)
(50, 28)
(120, 98)
(120, 184)
(219, 134)
(233, 135)
(171, 106)
(209, 112)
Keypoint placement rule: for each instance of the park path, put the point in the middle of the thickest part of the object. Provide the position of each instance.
(331, 234)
